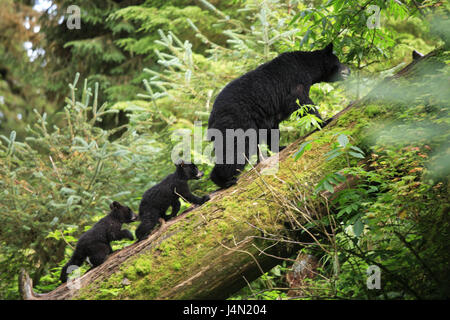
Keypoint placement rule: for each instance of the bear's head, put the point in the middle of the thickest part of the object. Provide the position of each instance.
(122, 213)
(333, 69)
(188, 171)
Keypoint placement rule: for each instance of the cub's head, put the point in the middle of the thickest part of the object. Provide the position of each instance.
(188, 171)
(122, 213)
(333, 69)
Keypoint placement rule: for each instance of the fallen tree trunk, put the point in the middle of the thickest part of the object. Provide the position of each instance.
(212, 251)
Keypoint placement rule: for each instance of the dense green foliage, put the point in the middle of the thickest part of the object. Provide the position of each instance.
(117, 40)
(20, 79)
(396, 217)
(59, 170)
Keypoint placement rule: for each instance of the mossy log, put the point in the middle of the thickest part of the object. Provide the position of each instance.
(213, 250)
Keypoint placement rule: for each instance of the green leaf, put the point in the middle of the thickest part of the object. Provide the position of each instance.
(343, 140)
(358, 227)
(339, 177)
(357, 149)
(328, 186)
(305, 38)
(295, 18)
(304, 147)
(333, 154)
(356, 155)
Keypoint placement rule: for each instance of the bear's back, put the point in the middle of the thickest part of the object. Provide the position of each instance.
(160, 195)
(258, 94)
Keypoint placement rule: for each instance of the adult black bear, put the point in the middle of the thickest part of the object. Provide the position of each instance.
(165, 194)
(261, 99)
(94, 243)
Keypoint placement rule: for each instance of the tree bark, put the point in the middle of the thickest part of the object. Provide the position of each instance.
(212, 251)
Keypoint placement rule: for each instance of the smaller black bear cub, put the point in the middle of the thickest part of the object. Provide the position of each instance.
(94, 243)
(165, 194)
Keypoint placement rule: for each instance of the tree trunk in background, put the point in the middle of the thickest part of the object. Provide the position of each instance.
(214, 250)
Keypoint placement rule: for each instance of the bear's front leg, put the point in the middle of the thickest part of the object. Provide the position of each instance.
(176, 205)
(122, 234)
(299, 96)
(184, 192)
(126, 234)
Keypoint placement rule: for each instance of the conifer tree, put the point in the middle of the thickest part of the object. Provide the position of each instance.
(21, 77)
(116, 41)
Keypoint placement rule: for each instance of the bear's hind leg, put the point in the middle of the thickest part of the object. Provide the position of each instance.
(176, 205)
(224, 175)
(75, 262)
(146, 226)
(98, 254)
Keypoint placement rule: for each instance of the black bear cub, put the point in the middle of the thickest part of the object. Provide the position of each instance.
(94, 243)
(165, 194)
(262, 98)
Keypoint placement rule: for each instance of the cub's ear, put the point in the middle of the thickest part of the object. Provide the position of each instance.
(114, 205)
(328, 48)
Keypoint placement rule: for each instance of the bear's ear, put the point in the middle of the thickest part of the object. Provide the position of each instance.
(329, 48)
(114, 205)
